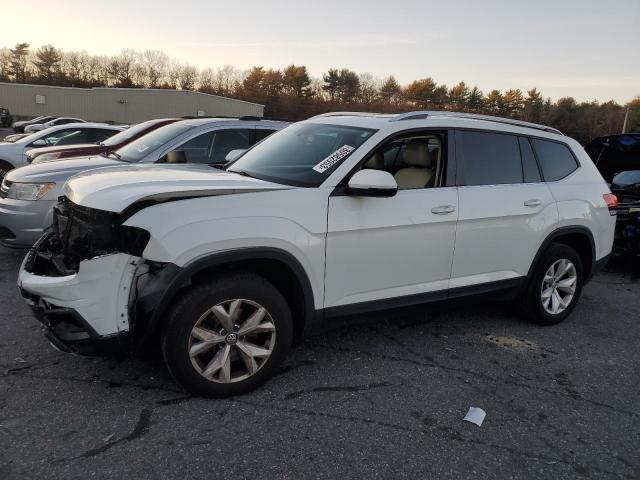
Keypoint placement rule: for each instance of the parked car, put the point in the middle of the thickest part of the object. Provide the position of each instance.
(626, 186)
(19, 127)
(5, 118)
(615, 153)
(333, 217)
(110, 144)
(36, 127)
(29, 193)
(13, 137)
(13, 155)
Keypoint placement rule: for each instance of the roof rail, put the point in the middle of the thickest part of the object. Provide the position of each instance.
(348, 114)
(422, 114)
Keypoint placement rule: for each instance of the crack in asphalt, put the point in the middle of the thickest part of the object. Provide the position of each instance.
(141, 428)
(108, 383)
(354, 388)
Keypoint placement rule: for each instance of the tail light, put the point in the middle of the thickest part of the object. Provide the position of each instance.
(612, 203)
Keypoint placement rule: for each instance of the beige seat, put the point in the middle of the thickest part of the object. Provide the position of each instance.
(420, 171)
(377, 161)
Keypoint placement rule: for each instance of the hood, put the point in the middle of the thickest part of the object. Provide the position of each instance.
(116, 188)
(58, 170)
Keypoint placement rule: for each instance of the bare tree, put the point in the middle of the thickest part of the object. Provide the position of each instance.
(155, 63)
(187, 77)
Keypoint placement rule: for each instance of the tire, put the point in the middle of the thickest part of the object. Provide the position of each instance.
(239, 294)
(4, 168)
(539, 307)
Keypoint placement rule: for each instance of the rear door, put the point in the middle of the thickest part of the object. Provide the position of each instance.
(505, 210)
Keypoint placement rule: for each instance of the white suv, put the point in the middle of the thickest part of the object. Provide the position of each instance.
(329, 218)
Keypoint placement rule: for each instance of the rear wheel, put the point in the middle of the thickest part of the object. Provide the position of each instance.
(227, 336)
(555, 286)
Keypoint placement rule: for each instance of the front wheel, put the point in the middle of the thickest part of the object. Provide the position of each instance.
(4, 168)
(227, 336)
(555, 286)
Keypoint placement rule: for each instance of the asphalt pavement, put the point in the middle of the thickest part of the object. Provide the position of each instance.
(382, 400)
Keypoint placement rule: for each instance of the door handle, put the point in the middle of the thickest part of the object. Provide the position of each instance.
(534, 202)
(442, 209)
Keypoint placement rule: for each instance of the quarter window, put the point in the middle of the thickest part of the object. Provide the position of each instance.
(529, 164)
(488, 158)
(556, 160)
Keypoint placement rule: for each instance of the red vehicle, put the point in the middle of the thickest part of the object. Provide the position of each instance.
(111, 144)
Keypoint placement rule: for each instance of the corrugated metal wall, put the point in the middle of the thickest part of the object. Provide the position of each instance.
(121, 105)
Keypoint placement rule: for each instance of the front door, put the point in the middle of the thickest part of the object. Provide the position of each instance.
(397, 249)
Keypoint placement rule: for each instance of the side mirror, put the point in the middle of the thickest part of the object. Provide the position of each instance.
(176, 156)
(233, 155)
(39, 143)
(372, 183)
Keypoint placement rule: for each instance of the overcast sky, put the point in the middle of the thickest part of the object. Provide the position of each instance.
(586, 49)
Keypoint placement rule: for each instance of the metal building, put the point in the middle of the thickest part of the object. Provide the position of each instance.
(120, 105)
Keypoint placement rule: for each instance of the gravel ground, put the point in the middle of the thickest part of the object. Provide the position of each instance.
(384, 400)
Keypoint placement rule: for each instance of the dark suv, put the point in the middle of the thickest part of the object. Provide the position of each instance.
(613, 154)
(5, 118)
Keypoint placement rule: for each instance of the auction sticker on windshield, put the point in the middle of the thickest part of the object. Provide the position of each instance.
(334, 158)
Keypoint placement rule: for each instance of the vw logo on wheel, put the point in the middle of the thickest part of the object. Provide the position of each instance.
(232, 338)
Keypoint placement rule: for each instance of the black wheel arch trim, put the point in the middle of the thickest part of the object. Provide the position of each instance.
(559, 232)
(172, 279)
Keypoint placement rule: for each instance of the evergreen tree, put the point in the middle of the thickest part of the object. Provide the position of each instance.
(18, 62)
(390, 90)
(47, 63)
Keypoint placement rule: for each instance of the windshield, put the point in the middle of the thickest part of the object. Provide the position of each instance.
(129, 132)
(302, 155)
(138, 149)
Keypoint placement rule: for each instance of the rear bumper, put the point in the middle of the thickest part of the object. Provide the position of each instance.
(22, 222)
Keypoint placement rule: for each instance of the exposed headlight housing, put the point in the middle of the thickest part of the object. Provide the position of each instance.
(27, 191)
(45, 157)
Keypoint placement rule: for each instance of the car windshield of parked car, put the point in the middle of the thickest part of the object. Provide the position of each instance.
(128, 133)
(140, 148)
(302, 155)
(629, 177)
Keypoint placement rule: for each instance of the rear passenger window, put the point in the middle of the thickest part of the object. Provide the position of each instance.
(529, 164)
(556, 160)
(488, 158)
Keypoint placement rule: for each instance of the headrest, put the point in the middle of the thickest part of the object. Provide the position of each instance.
(417, 154)
(377, 161)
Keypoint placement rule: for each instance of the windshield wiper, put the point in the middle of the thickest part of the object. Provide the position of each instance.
(117, 156)
(241, 172)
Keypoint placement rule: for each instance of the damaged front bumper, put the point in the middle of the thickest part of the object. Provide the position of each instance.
(78, 278)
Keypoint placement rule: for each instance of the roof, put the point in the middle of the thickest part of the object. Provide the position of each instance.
(432, 118)
(83, 125)
(212, 120)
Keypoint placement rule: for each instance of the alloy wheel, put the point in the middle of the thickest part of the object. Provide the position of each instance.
(558, 286)
(232, 340)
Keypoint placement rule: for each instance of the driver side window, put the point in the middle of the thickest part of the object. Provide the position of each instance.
(415, 161)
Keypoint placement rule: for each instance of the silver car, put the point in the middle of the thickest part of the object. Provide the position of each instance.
(28, 194)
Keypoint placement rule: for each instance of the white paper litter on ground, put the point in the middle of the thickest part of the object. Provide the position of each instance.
(475, 415)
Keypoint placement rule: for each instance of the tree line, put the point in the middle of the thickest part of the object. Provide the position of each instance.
(291, 93)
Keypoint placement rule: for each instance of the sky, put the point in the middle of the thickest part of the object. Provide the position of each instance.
(586, 49)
